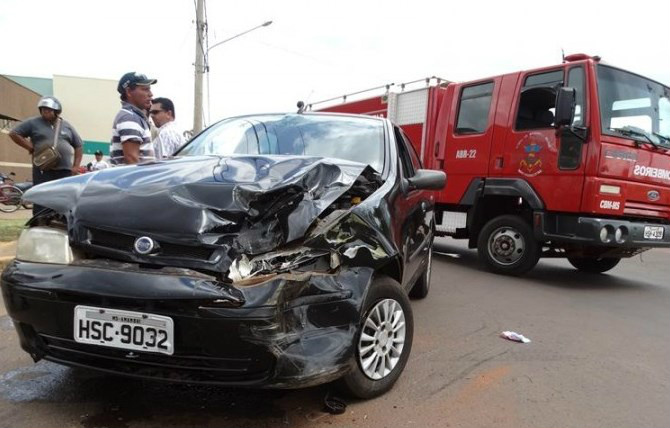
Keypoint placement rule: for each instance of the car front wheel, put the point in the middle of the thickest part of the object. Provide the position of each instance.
(384, 341)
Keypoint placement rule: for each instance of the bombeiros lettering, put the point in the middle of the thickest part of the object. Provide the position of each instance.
(647, 171)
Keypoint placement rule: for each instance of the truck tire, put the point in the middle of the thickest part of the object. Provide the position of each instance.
(383, 342)
(594, 264)
(506, 245)
(422, 285)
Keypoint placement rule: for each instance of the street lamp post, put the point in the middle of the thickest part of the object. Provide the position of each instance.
(202, 62)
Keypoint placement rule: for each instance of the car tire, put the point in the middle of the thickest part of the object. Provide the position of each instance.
(422, 284)
(367, 378)
(594, 264)
(506, 245)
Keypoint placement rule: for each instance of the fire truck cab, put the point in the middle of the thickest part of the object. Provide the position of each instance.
(571, 160)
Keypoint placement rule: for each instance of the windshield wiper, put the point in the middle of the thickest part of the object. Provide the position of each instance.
(632, 131)
(663, 138)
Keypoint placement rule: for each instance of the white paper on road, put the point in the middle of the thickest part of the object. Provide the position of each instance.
(515, 337)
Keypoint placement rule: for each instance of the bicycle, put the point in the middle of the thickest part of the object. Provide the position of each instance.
(10, 194)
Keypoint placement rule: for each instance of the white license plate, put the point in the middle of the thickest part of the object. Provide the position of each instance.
(653, 232)
(124, 329)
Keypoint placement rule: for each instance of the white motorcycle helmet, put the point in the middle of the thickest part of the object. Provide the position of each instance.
(50, 102)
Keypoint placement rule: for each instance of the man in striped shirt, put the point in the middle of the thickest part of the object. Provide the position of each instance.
(131, 133)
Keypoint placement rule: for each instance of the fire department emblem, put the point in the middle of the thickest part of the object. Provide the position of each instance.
(532, 146)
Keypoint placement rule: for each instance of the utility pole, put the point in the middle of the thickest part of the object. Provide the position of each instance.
(201, 55)
(199, 66)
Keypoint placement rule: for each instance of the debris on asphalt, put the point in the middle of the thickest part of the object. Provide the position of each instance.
(514, 337)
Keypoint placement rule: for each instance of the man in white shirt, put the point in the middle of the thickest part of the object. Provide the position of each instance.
(99, 163)
(169, 139)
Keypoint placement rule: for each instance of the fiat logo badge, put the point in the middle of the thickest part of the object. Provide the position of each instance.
(653, 195)
(144, 245)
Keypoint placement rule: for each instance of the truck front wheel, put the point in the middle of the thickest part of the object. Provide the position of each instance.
(506, 245)
(594, 264)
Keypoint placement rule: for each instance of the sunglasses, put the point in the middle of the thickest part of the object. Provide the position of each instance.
(155, 111)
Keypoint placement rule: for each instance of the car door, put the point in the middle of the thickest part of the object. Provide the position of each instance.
(414, 210)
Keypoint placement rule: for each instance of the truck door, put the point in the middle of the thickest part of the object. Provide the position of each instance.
(552, 164)
(469, 135)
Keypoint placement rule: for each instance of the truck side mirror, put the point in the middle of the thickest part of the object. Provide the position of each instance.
(566, 100)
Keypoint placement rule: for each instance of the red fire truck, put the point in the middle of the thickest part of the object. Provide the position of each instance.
(571, 160)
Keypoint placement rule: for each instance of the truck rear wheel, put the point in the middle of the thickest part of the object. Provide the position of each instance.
(506, 245)
(594, 264)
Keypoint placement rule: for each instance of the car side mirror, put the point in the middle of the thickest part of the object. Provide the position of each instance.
(566, 101)
(427, 179)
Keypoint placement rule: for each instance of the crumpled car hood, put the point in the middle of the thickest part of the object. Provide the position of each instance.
(250, 204)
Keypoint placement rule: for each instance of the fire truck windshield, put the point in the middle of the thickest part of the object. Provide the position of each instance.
(633, 106)
(358, 139)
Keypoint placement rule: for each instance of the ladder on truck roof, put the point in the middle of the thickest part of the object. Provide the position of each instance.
(405, 104)
(428, 81)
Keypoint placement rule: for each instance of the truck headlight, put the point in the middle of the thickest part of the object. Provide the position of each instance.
(44, 245)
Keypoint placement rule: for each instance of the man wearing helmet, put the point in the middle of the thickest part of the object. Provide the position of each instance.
(38, 132)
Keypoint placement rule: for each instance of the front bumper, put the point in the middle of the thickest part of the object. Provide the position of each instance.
(582, 230)
(285, 332)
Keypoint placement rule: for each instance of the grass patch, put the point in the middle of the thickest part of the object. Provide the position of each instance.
(11, 229)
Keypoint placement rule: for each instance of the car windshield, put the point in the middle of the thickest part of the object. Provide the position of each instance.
(351, 138)
(634, 106)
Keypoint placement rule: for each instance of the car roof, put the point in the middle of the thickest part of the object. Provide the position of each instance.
(306, 114)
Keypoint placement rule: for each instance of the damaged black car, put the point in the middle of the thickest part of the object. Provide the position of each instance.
(271, 251)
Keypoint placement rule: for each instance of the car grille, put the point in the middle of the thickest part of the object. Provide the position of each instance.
(194, 368)
(124, 242)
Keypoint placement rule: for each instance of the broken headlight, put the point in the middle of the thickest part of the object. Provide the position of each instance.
(299, 260)
(44, 245)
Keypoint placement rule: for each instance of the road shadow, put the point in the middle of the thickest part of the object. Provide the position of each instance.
(457, 253)
(570, 278)
(546, 273)
(122, 402)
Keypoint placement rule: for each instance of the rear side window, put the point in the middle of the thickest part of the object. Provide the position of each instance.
(404, 154)
(474, 107)
(416, 163)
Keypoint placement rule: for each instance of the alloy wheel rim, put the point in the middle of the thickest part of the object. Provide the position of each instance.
(506, 246)
(382, 339)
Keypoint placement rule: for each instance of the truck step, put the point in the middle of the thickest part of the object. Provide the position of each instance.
(451, 221)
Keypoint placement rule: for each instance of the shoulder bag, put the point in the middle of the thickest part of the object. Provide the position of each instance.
(48, 157)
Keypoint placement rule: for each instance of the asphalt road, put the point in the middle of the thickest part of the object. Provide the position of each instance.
(598, 358)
